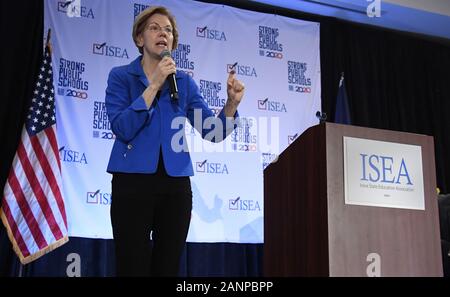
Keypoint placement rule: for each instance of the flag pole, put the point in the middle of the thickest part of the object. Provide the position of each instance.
(20, 269)
(48, 35)
(47, 43)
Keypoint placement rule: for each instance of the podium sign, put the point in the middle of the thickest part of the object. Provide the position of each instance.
(384, 174)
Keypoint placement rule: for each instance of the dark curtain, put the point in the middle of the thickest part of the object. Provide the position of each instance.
(444, 215)
(22, 48)
(21, 25)
(394, 81)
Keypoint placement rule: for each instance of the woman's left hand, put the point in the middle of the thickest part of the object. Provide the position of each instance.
(235, 89)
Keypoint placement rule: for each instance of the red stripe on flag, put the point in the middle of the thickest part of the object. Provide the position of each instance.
(54, 144)
(26, 210)
(56, 192)
(46, 167)
(38, 192)
(15, 230)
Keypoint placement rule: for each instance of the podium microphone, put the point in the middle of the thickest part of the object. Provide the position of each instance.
(322, 116)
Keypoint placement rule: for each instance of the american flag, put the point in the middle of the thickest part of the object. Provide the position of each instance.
(33, 210)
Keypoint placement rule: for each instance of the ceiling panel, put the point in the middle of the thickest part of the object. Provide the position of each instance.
(428, 17)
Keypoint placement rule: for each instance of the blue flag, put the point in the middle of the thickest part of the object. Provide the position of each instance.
(342, 114)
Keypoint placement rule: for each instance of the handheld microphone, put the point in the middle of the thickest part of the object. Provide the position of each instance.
(171, 78)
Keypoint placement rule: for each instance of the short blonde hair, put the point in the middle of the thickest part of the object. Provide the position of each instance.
(141, 21)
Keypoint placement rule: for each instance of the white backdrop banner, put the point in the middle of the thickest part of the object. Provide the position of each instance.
(277, 58)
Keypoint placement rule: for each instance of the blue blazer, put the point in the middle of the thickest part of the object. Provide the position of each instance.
(140, 131)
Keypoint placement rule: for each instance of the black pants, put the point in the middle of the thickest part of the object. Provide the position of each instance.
(150, 202)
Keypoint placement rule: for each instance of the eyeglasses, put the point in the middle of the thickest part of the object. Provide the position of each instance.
(155, 28)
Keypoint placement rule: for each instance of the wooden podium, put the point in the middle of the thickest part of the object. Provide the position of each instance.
(310, 231)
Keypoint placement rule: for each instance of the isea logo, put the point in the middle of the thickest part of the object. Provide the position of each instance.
(104, 49)
(211, 167)
(271, 105)
(98, 197)
(210, 33)
(69, 155)
(384, 169)
(240, 69)
(291, 138)
(243, 204)
(70, 8)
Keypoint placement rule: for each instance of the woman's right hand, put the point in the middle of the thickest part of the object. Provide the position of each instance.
(165, 67)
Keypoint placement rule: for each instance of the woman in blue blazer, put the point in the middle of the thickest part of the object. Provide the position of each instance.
(151, 190)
